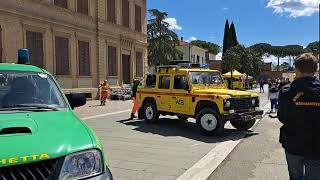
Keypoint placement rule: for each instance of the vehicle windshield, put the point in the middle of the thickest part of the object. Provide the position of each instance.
(29, 90)
(212, 78)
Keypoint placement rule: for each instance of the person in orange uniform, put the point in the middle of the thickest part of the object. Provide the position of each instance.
(104, 92)
(135, 107)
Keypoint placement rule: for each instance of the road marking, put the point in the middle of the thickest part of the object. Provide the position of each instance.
(107, 114)
(209, 163)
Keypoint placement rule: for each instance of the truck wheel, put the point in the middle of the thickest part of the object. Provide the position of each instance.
(150, 112)
(243, 125)
(182, 118)
(140, 113)
(209, 122)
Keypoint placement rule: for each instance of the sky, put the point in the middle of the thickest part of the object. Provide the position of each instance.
(278, 22)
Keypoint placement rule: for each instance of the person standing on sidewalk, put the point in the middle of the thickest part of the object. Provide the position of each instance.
(273, 96)
(261, 85)
(299, 112)
(135, 107)
(104, 92)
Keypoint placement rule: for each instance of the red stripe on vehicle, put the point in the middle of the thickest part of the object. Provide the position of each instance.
(181, 94)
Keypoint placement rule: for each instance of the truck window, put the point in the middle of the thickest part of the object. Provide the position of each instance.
(180, 82)
(164, 82)
(151, 81)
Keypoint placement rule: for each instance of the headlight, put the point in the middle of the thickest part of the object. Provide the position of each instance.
(253, 102)
(82, 165)
(228, 104)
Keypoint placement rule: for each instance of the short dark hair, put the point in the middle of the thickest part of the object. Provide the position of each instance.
(306, 63)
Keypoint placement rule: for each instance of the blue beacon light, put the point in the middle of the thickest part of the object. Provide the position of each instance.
(23, 56)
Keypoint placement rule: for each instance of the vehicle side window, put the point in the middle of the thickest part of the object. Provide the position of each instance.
(180, 82)
(151, 81)
(164, 82)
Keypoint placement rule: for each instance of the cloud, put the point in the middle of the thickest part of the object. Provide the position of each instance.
(274, 59)
(173, 25)
(191, 39)
(219, 56)
(294, 8)
(225, 9)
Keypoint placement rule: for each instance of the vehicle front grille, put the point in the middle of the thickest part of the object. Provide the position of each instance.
(241, 103)
(31, 171)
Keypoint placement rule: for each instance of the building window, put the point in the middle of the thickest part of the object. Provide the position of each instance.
(61, 3)
(111, 11)
(62, 55)
(84, 58)
(82, 7)
(164, 82)
(35, 46)
(112, 61)
(125, 13)
(138, 25)
(139, 64)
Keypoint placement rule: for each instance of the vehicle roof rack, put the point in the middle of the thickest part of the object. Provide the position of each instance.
(167, 67)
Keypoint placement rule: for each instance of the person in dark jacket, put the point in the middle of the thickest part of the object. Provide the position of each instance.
(299, 112)
(261, 83)
(135, 107)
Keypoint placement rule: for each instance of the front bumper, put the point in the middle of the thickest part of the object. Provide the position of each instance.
(105, 176)
(243, 116)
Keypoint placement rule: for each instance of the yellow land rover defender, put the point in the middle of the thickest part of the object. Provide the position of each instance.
(194, 92)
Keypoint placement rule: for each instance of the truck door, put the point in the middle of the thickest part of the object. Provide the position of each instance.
(180, 99)
(163, 97)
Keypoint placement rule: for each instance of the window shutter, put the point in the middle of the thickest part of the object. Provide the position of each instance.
(138, 18)
(112, 61)
(35, 46)
(139, 64)
(125, 13)
(62, 55)
(111, 12)
(84, 58)
(61, 3)
(82, 7)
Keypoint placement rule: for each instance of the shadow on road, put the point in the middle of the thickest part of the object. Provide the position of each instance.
(175, 127)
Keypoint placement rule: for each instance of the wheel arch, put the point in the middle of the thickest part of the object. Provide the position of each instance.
(206, 104)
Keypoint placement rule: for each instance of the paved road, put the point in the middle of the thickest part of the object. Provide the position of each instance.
(138, 150)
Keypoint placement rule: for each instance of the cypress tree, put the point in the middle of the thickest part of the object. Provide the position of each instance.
(226, 38)
(233, 36)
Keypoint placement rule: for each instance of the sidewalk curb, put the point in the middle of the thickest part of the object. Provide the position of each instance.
(210, 162)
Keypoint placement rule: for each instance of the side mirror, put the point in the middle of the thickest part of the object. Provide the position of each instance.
(76, 99)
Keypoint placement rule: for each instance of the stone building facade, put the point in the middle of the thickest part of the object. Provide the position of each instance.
(81, 42)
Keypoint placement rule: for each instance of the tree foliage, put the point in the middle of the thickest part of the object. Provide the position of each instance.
(313, 47)
(242, 59)
(161, 40)
(226, 38)
(211, 47)
(261, 49)
(233, 36)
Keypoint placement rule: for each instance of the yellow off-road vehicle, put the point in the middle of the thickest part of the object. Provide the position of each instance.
(199, 93)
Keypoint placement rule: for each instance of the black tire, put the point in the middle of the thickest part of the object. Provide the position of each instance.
(150, 112)
(182, 118)
(140, 113)
(243, 125)
(205, 126)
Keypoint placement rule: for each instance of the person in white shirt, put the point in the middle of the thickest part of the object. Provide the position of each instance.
(273, 96)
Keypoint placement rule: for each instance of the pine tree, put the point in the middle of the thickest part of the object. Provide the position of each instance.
(233, 36)
(226, 38)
